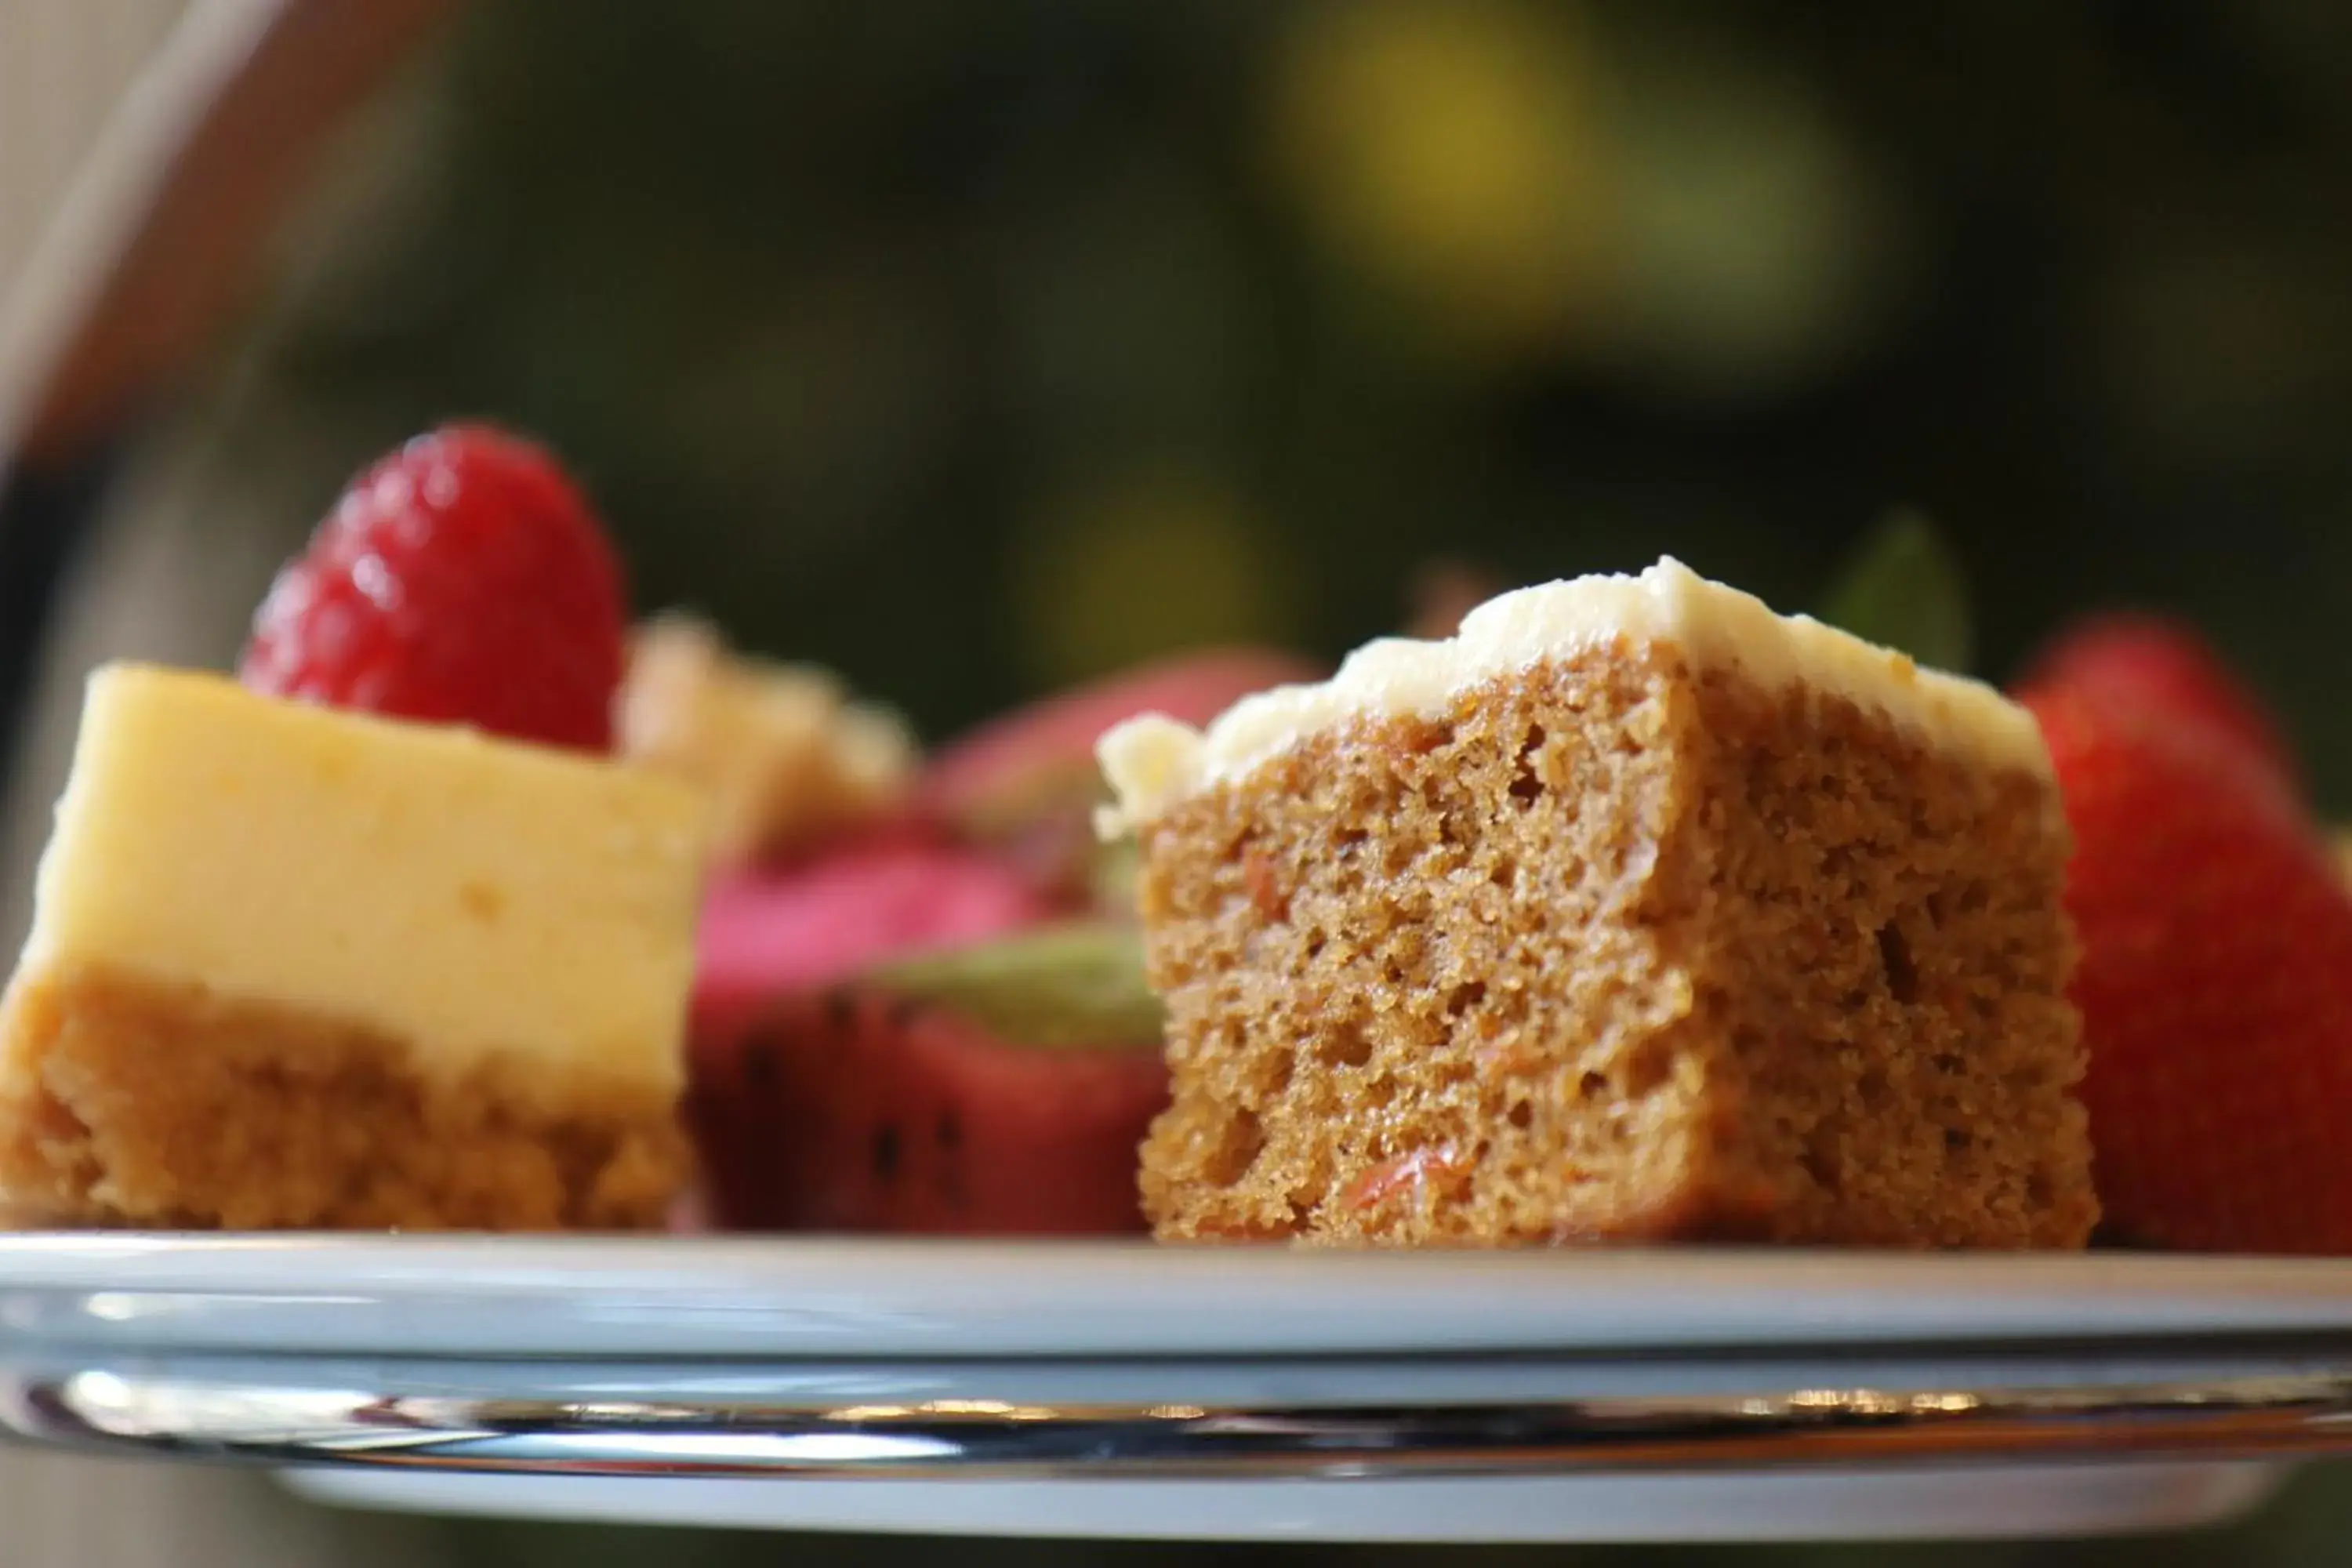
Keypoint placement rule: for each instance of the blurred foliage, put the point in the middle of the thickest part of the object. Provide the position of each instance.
(1904, 589)
(976, 349)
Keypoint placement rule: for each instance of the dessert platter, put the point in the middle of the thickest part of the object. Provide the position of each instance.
(1622, 1063)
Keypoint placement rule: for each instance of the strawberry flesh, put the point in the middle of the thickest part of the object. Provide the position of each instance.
(849, 1109)
(767, 932)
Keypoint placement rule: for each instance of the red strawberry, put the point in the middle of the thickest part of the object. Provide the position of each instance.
(1026, 784)
(460, 580)
(2215, 983)
(994, 1090)
(768, 931)
(2151, 659)
(1001, 771)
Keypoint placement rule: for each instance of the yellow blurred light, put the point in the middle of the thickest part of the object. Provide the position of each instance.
(1449, 149)
(1147, 562)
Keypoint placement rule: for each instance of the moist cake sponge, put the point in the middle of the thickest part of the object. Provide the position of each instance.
(1633, 912)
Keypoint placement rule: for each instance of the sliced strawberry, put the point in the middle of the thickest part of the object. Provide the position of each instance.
(1000, 1090)
(770, 931)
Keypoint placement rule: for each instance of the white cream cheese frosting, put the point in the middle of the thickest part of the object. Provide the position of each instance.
(1153, 763)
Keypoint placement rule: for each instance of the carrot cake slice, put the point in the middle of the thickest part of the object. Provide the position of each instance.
(1632, 912)
(292, 966)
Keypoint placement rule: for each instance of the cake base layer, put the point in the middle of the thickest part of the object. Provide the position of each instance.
(1618, 948)
(126, 1101)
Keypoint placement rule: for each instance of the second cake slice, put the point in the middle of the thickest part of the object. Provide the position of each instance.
(1633, 911)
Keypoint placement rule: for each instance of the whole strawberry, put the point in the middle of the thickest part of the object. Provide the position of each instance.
(2152, 660)
(2215, 981)
(462, 579)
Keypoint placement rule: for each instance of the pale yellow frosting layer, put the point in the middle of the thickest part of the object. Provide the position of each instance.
(1153, 762)
(467, 894)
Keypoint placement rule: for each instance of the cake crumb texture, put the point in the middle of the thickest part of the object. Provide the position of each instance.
(1619, 947)
(130, 1101)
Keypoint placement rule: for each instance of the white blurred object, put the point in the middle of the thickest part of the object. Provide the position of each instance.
(64, 64)
(93, 93)
(166, 206)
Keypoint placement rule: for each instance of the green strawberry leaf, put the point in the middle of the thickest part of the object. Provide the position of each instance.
(1061, 987)
(1904, 589)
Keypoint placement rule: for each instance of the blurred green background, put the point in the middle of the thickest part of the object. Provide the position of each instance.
(976, 349)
